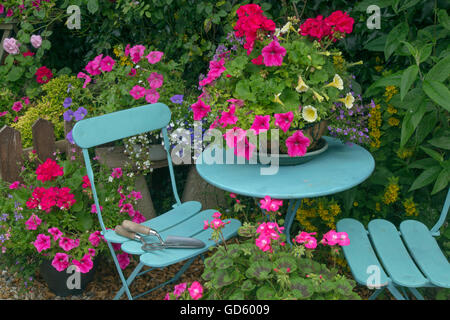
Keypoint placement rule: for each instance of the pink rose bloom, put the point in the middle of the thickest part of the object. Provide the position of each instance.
(154, 56)
(68, 244)
(11, 45)
(116, 173)
(94, 238)
(200, 109)
(106, 64)
(137, 92)
(93, 67)
(196, 290)
(42, 242)
(155, 80)
(151, 96)
(55, 232)
(260, 124)
(14, 185)
(87, 79)
(136, 53)
(273, 54)
(284, 120)
(33, 222)
(297, 144)
(17, 106)
(228, 117)
(85, 264)
(179, 289)
(60, 261)
(123, 259)
(36, 41)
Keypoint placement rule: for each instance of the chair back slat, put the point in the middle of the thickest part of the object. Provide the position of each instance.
(121, 124)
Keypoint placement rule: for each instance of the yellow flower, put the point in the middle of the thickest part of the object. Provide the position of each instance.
(377, 207)
(355, 204)
(317, 96)
(374, 125)
(378, 68)
(391, 109)
(301, 85)
(309, 113)
(390, 92)
(393, 121)
(277, 99)
(348, 100)
(410, 207)
(404, 153)
(337, 82)
(391, 191)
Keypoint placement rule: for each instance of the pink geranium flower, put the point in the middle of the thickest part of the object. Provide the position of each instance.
(117, 173)
(136, 53)
(151, 96)
(14, 185)
(263, 242)
(106, 64)
(217, 223)
(33, 222)
(273, 54)
(330, 238)
(343, 239)
(154, 56)
(87, 79)
(196, 290)
(155, 80)
(260, 124)
(42, 242)
(228, 117)
(85, 264)
(297, 144)
(200, 109)
(137, 92)
(270, 204)
(61, 261)
(55, 232)
(123, 259)
(311, 243)
(284, 120)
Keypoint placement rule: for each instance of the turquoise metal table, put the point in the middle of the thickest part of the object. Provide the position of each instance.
(339, 168)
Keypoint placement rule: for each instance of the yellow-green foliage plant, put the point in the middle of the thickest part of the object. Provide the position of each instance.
(49, 107)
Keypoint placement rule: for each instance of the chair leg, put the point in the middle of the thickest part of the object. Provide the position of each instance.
(405, 294)
(376, 293)
(129, 280)
(119, 270)
(394, 291)
(416, 294)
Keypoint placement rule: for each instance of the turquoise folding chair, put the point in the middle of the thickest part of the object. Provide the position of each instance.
(410, 258)
(185, 219)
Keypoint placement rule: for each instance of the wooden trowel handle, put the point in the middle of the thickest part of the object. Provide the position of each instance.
(136, 227)
(125, 233)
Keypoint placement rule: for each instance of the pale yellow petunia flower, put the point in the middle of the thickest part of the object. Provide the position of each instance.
(301, 85)
(348, 100)
(309, 113)
(337, 82)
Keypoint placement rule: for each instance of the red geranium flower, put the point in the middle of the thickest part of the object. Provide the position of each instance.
(49, 170)
(43, 75)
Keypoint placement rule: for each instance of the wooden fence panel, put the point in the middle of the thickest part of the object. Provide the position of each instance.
(43, 139)
(10, 154)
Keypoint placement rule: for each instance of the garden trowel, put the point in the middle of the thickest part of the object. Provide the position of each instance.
(133, 231)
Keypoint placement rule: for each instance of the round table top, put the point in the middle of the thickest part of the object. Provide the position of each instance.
(339, 168)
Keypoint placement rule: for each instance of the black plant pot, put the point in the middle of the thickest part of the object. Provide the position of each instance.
(64, 283)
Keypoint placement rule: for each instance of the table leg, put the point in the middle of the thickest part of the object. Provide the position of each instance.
(294, 204)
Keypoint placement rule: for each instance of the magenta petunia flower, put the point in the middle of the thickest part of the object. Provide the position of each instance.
(284, 120)
(154, 56)
(179, 289)
(14, 185)
(87, 79)
(61, 261)
(117, 173)
(55, 232)
(123, 259)
(85, 264)
(136, 53)
(137, 92)
(106, 64)
(33, 222)
(260, 124)
(196, 290)
(273, 54)
(93, 67)
(17, 106)
(155, 80)
(68, 244)
(228, 117)
(200, 109)
(297, 144)
(234, 136)
(42, 242)
(94, 238)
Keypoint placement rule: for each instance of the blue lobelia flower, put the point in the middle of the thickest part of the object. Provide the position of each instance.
(67, 102)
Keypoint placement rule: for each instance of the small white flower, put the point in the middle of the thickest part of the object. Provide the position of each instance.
(110, 179)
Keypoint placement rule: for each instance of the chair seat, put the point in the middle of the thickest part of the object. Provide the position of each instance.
(360, 255)
(394, 256)
(426, 252)
(162, 222)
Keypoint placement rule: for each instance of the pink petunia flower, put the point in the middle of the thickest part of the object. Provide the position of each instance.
(284, 120)
(42, 242)
(14, 185)
(196, 290)
(200, 109)
(68, 244)
(85, 264)
(234, 136)
(155, 80)
(297, 144)
(55, 232)
(273, 54)
(154, 56)
(260, 124)
(137, 92)
(61, 261)
(87, 79)
(151, 96)
(94, 208)
(123, 259)
(17, 106)
(106, 64)
(93, 67)
(116, 173)
(94, 238)
(91, 252)
(136, 53)
(33, 222)
(179, 289)
(228, 117)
